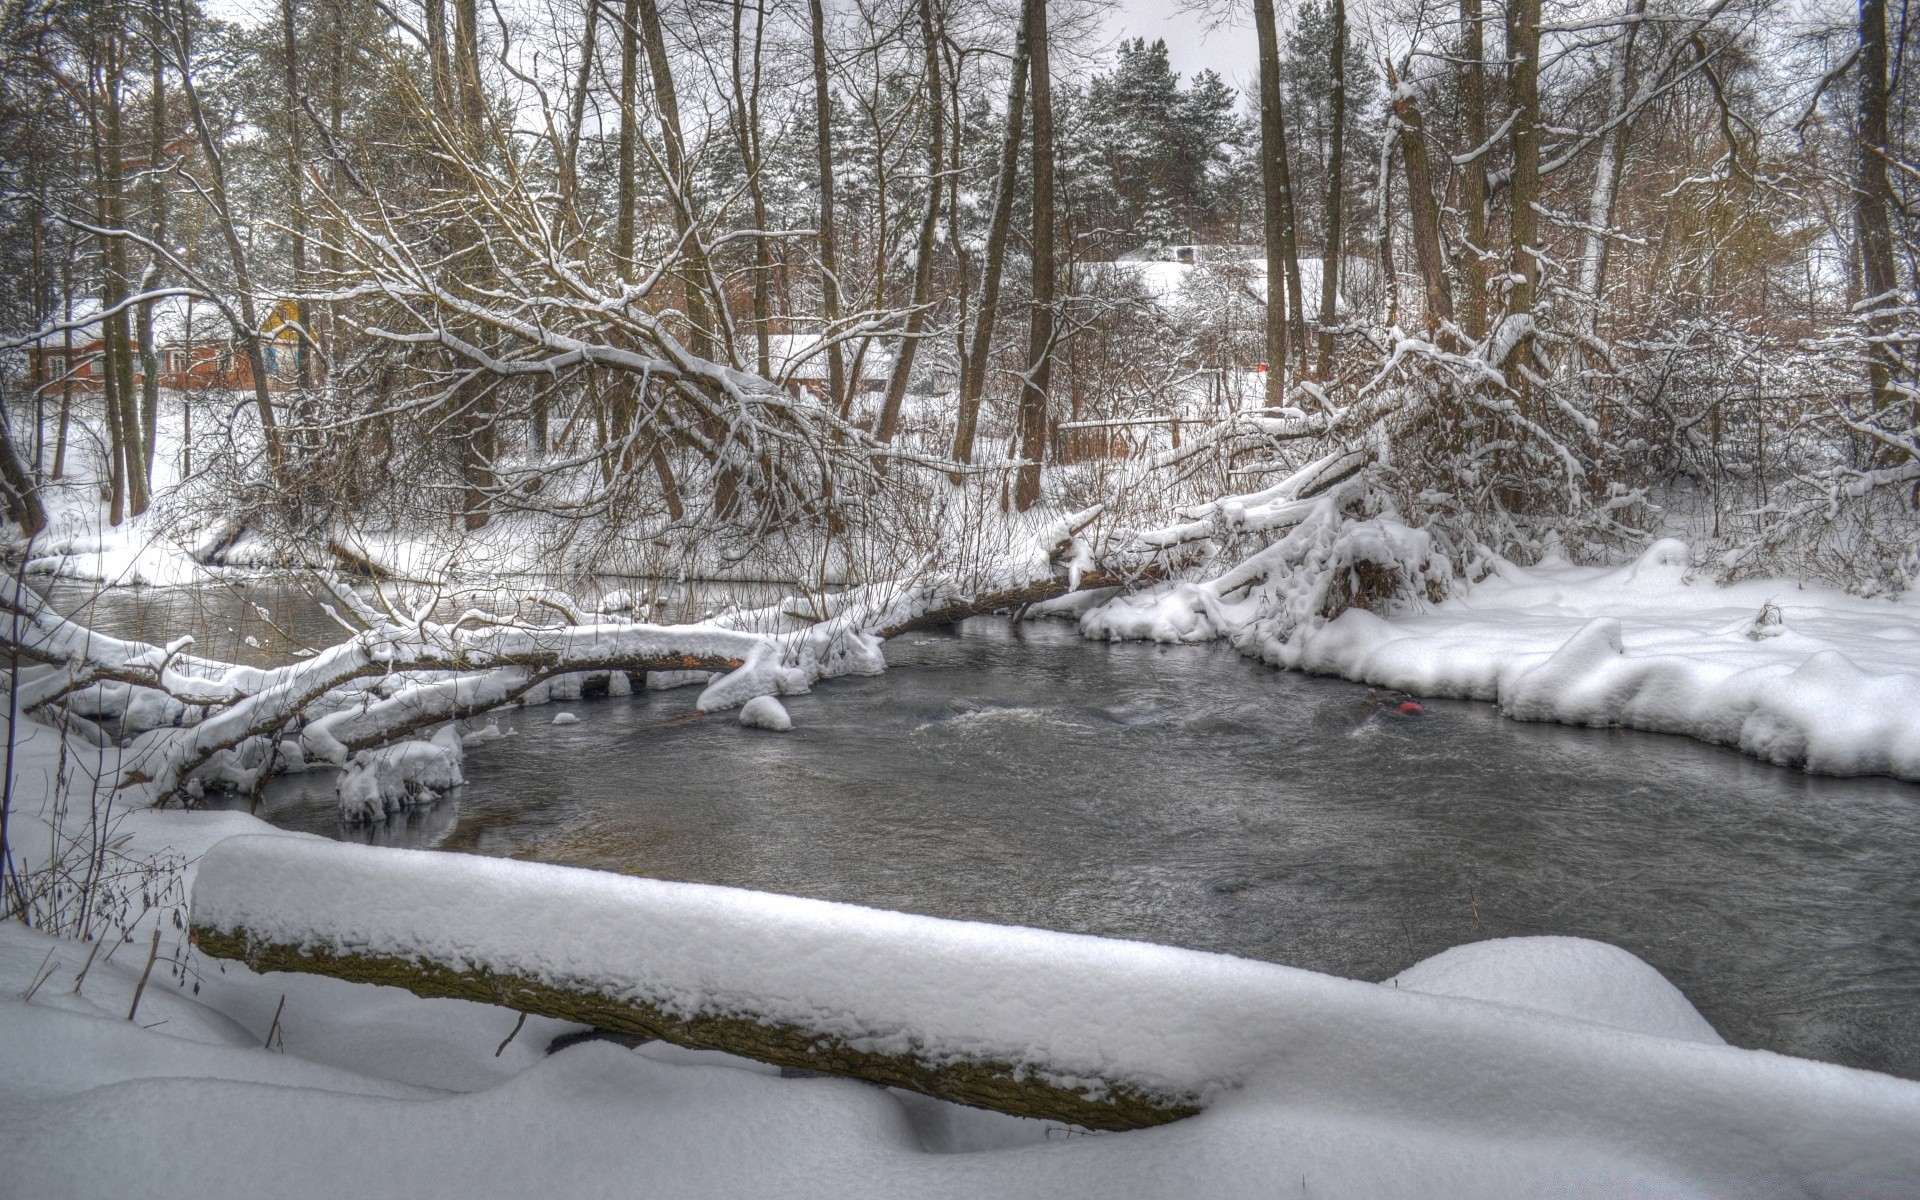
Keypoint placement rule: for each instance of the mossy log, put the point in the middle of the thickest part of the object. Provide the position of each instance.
(998, 1086)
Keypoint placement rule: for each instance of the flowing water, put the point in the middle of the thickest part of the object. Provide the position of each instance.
(1016, 773)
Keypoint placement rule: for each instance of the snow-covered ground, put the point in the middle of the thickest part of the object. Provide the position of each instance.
(1792, 673)
(1519, 1067)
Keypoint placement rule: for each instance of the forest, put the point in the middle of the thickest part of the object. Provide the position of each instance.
(830, 294)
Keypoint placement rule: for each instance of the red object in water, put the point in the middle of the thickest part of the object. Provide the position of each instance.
(1410, 708)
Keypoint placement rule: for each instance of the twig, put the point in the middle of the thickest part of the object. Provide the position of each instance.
(275, 1027)
(511, 1036)
(40, 975)
(1475, 901)
(153, 952)
(82, 976)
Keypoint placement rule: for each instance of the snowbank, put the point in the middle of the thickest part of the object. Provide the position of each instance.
(1455, 1095)
(1797, 675)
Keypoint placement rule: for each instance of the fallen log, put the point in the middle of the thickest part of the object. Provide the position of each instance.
(804, 984)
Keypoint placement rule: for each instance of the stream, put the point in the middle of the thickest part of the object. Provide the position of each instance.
(1185, 795)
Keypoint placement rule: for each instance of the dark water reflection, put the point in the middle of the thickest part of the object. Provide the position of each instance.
(1187, 796)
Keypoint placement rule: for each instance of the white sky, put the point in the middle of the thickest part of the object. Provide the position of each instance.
(1191, 46)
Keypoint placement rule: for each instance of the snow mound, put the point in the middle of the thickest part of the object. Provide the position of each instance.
(491, 733)
(1566, 976)
(565, 718)
(764, 712)
(1421, 1093)
(391, 778)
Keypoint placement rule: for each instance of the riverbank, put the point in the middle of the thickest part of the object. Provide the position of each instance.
(1792, 673)
(1483, 1086)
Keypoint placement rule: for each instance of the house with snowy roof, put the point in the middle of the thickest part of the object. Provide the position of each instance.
(799, 361)
(192, 340)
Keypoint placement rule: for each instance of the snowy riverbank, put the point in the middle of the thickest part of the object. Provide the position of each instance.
(1521, 1067)
(1796, 674)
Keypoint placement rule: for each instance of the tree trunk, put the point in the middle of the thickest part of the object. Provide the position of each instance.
(1523, 48)
(650, 1009)
(623, 221)
(746, 107)
(23, 503)
(439, 62)
(66, 377)
(296, 206)
(973, 381)
(118, 346)
(1872, 198)
(838, 396)
(1422, 207)
(694, 275)
(1336, 194)
(577, 107)
(1039, 374)
(929, 226)
(246, 331)
(473, 402)
(1606, 168)
(1276, 192)
(1473, 185)
(157, 218)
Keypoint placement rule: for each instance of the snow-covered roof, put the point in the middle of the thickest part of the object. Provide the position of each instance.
(173, 315)
(801, 356)
(170, 320)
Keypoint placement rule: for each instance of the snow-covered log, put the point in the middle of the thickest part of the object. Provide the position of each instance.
(1020, 1021)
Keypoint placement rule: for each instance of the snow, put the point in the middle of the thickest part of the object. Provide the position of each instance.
(1574, 977)
(1792, 673)
(385, 780)
(565, 718)
(764, 712)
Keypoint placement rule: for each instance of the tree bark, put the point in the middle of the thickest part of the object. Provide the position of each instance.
(1473, 184)
(157, 220)
(439, 62)
(1276, 190)
(118, 345)
(1422, 206)
(474, 409)
(1523, 48)
(838, 396)
(1336, 194)
(973, 382)
(623, 220)
(22, 492)
(296, 204)
(1606, 168)
(700, 315)
(929, 226)
(1872, 198)
(248, 326)
(1039, 374)
(746, 107)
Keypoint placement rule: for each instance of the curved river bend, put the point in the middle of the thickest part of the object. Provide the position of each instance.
(1016, 773)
